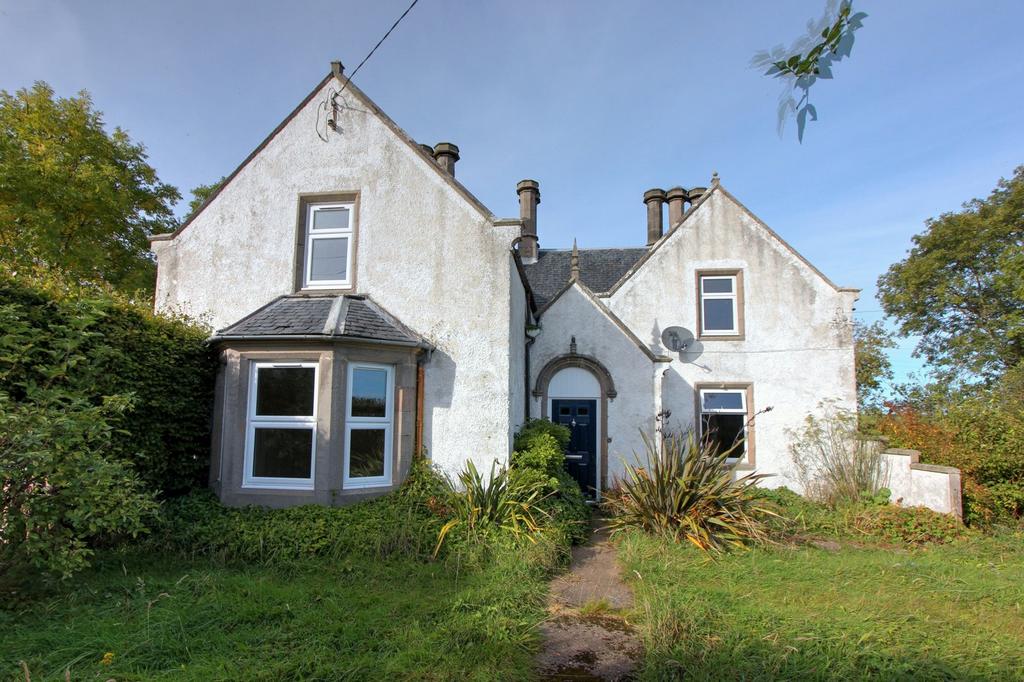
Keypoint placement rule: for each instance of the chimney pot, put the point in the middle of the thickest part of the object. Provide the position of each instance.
(654, 198)
(529, 197)
(446, 154)
(694, 195)
(676, 198)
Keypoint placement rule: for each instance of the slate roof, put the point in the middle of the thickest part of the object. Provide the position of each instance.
(355, 317)
(600, 270)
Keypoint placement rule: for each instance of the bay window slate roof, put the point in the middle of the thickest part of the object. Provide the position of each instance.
(600, 270)
(330, 317)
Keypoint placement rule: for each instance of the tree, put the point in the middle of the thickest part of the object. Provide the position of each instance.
(873, 368)
(961, 287)
(72, 195)
(201, 193)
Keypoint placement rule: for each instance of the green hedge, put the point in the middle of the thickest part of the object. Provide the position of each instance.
(162, 363)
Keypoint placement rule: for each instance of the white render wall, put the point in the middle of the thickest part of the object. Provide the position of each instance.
(798, 347)
(597, 336)
(423, 252)
(913, 484)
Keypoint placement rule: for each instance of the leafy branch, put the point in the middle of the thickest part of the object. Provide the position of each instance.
(812, 58)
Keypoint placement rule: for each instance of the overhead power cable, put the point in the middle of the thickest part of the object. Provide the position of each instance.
(348, 79)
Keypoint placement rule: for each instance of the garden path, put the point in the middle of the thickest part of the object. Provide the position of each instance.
(587, 635)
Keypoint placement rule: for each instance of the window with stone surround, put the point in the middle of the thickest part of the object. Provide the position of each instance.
(281, 426)
(327, 261)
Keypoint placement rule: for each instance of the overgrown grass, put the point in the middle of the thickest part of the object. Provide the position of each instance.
(302, 593)
(832, 604)
(320, 619)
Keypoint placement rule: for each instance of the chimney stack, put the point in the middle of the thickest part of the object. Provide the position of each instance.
(529, 197)
(676, 198)
(694, 195)
(446, 154)
(654, 198)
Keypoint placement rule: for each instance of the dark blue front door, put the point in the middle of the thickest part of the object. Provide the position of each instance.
(581, 457)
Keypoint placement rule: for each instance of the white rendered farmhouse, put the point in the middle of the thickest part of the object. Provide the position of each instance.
(367, 306)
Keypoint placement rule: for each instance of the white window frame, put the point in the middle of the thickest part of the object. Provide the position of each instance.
(254, 421)
(314, 235)
(742, 392)
(734, 296)
(387, 423)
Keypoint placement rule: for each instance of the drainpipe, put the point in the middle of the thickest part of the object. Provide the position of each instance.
(520, 242)
(526, 378)
(420, 378)
(659, 419)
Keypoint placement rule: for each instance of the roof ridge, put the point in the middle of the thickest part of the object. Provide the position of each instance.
(335, 322)
(390, 319)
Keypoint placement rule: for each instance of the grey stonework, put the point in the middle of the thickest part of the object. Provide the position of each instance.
(228, 456)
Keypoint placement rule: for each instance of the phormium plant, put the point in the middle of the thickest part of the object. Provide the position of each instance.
(495, 503)
(686, 492)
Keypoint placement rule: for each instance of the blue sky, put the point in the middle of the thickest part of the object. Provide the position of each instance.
(598, 101)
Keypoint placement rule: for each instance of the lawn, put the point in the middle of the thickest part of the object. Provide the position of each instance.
(168, 618)
(860, 611)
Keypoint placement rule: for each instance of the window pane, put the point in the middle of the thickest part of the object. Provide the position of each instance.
(366, 453)
(724, 431)
(330, 259)
(717, 285)
(282, 453)
(285, 391)
(723, 401)
(330, 219)
(718, 314)
(369, 392)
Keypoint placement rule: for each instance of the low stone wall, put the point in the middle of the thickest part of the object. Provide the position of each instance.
(922, 485)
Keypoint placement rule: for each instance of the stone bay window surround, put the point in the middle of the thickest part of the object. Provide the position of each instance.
(316, 402)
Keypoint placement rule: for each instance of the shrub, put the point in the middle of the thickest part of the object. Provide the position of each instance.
(907, 525)
(537, 428)
(541, 453)
(538, 459)
(163, 432)
(403, 523)
(60, 490)
(981, 434)
(833, 463)
(687, 492)
(499, 503)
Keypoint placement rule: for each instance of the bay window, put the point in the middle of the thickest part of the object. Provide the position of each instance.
(281, 426)
(369, 425)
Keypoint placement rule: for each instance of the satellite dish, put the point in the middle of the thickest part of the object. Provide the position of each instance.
(677, 339)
